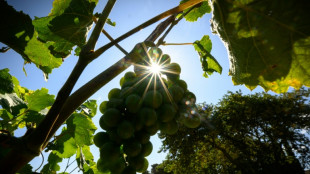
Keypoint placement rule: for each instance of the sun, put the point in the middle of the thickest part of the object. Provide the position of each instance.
(154, 68)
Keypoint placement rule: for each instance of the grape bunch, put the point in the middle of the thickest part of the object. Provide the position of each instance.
(146, 103)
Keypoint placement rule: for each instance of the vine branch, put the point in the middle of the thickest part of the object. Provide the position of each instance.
(172, 11)
(165, 44)
(111, 39)
(161, 40)
(91, 43)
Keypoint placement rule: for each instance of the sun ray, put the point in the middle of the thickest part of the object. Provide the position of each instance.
(156, 69)
(147, 87)
(167, 92)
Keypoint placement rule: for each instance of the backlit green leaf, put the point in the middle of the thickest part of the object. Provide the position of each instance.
(6, 82)
(197, 12)
(82, 129)
(39, 100)
(12, 103)
(66, 26)
(89, 108)
(52, 165)
(268, 42)
(65, 145)
(208, 62)
(18, 33)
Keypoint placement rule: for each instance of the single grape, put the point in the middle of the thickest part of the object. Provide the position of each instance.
(114, 93)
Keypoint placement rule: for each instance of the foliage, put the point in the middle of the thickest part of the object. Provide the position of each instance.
(245, 133)
(46, 41)
(268, 41)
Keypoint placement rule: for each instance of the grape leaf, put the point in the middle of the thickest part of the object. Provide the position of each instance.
(89, 108)
(65, 146)
(82, 129)
(18, 33)
(66, 26)
(208, 62)
(5, 115)
(52, 165)
(12, 103)
(39, 100)
(33, 117)
(268, 42)
(197, 12)
(6, 82)
(5, 121)
(85, 160)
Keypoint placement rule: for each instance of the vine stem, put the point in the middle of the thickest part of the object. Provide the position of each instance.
(166, 44)
(161, 40)
(111, 39)
(172, 11)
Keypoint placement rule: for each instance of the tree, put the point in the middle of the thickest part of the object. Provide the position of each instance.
(245, 133)
(48, 40)
(158, 169)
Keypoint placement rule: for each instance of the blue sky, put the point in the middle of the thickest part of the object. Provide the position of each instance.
(127, 15)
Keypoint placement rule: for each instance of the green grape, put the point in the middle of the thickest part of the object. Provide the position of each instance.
(169, 128)
(125, 130)
(125, 92)
(139, 70)
(189, 98)
(114, 136)
(132, 148)
(176, 93)
(103, 125)
(153, 99)
(102, 166)
(173, 71)
(115, 103)
(111, 117)
(101, 138)
(121, 81)
(166, 112)
(133, 103)
(129, 76)
(164, 60)
(165, 96)
(182, 84)
(192, 121)
(114, 93)
(136, 162)
(138, 122)
(143, 168)
(142, 136)
(147, 149)
(152, 130)
(128, 83)
(149, 116)
(103, 106)
(155, 53)
(129, 170)
(118, 166)
(109, 152)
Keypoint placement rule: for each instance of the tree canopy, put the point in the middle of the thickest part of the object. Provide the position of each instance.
(257, 133)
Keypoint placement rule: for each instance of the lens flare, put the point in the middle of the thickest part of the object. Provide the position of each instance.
(155, 68)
